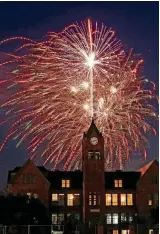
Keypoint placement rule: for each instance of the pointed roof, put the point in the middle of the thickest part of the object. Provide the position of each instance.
(18, 170)
(92, 128)
(145, 168)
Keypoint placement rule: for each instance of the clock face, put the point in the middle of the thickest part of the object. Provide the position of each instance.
(94, 140)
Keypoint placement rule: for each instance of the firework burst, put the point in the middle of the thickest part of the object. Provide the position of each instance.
(56, 86)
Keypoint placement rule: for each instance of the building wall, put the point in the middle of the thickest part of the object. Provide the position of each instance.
(145, 186)
(39, 185)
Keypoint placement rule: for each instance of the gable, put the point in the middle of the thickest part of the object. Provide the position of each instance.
(148, 173)
(29, 169)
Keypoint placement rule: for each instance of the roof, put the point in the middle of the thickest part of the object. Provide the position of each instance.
(143, 169)
(92, 128)
(130, 178)
(42, 169)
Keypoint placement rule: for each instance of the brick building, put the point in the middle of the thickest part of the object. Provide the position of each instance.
(115, 200)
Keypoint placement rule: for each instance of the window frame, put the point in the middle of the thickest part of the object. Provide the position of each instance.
(118, 183)
(111, 198)
(65, 183)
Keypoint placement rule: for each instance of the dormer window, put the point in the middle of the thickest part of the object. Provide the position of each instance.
(90, 154)
(97, 155)
(65, 183)
(118, 183)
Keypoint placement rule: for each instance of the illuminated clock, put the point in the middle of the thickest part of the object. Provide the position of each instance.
(94, 140)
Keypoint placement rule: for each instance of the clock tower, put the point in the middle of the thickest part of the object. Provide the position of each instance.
(93, 176)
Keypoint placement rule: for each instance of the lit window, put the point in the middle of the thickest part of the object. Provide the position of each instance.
(54, 197)
(125, 232)
(115, 232)
(112, 218)
(108, 199)
(118, 183)
(90, 154)
(94, 199)
(150, 202)
(151, 231)
(57, 218)
(111, 199)
(58, 198)
(108, 218)
(130, 199)
(70, 198)
(114, 199)
(123, 199)
(115, 218)
(65, 183)
(97, 155)
(90, 199)
(54, 218)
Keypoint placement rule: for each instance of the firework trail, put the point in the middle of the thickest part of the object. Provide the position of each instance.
(56, 86)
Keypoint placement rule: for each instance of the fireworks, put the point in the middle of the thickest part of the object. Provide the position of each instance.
(56, 86)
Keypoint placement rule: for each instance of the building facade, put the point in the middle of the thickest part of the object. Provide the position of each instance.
(114, 200)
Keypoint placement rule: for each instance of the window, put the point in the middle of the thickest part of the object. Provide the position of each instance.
(123, 217)
(111, 199)
(154, 179)
(115, 232)
(108, 199)
(28, 179)
(70, 198)
(97, 155)
(123, 199)
(65, 183)
(54, 197)
(73, 199)
(59, 198)
(57, 218)
(75, 215)
(118, 183)
(35, 195)
(29, 194)
(150, 202)
(90, 154)
(125, 232)
(114, 199)
(109, 218)
(130, 218)
(156, 199)
(115, 218)
(130, 199)
(112, 218)
(127, 199)
(76, 200)
(94, 199)
(150, 231)
(90, 199)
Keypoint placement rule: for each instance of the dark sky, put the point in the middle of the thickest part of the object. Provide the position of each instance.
(136, 25)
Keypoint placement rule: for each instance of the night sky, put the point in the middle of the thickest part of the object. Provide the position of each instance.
(136, 25)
